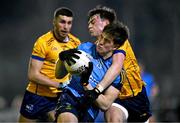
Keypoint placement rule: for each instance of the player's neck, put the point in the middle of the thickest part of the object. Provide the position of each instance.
(59, 38)
(107, 55)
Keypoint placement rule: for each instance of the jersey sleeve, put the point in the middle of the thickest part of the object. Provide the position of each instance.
(117, 83)
(39, 50)
(119, 51)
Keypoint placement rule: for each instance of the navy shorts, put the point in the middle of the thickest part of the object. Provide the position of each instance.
(69, 103)
(138, 107)
(36, 107)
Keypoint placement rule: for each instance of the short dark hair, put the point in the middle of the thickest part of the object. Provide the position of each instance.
(63, 11)
(118, 31)
(104, 12)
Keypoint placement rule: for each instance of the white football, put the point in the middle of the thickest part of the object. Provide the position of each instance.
(79, 66)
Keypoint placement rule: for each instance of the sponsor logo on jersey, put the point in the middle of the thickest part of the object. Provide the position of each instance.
(29, 107)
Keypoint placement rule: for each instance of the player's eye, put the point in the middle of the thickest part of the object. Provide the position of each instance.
(92, 22)
(62, 21)
(70, 22)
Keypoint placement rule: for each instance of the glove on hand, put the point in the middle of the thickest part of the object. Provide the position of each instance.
(68, 55)
(86, 74)
(92, 95)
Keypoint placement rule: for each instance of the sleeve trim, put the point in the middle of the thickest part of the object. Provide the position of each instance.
(119, 51)
(37, 58)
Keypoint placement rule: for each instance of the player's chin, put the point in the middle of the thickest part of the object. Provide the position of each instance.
(99, 49)
(64, 35)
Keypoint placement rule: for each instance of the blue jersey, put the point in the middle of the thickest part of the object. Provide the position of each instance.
(100, 66)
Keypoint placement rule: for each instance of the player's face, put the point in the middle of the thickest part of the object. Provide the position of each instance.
(62, 26)
(96, 25)
(105, 45)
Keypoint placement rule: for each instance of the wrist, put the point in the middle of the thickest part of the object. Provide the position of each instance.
(100, 88)
(97, 91)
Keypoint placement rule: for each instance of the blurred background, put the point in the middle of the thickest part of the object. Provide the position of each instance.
(155, 36)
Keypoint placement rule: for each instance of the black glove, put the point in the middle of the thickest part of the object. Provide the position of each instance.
(92, 95)
(86, 74)
(68, 55)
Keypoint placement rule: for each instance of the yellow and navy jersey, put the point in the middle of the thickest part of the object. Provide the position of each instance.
(47, 49)
(131, 78)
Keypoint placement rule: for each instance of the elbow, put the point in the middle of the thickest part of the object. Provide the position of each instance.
(31, 76)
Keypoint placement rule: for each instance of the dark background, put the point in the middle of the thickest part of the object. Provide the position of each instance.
(155, 37)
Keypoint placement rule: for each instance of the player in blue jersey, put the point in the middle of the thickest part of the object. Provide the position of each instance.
(74, 104)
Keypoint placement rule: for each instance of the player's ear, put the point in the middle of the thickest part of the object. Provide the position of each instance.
(106, 22)
(54, 22)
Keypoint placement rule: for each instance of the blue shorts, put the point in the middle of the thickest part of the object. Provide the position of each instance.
(69, 103)
(36, 107)
(138, 107)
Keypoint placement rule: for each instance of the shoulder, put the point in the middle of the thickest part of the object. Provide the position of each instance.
(86, 45)
(126, 47)
(125, 44)
(74, 38)
(45, 39)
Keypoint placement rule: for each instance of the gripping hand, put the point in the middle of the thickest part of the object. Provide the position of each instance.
(92, 95)
(86, 74)
(68, 55)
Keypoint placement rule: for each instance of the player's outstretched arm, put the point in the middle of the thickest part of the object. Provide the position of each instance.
(113, 71)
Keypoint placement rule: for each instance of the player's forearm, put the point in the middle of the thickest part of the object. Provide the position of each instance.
(105, 100)
(41, 79)
(110, 75)
(113, 71)
(103, 103)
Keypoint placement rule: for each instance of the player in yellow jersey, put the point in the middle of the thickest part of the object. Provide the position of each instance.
(132, 104)
(41, 94)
